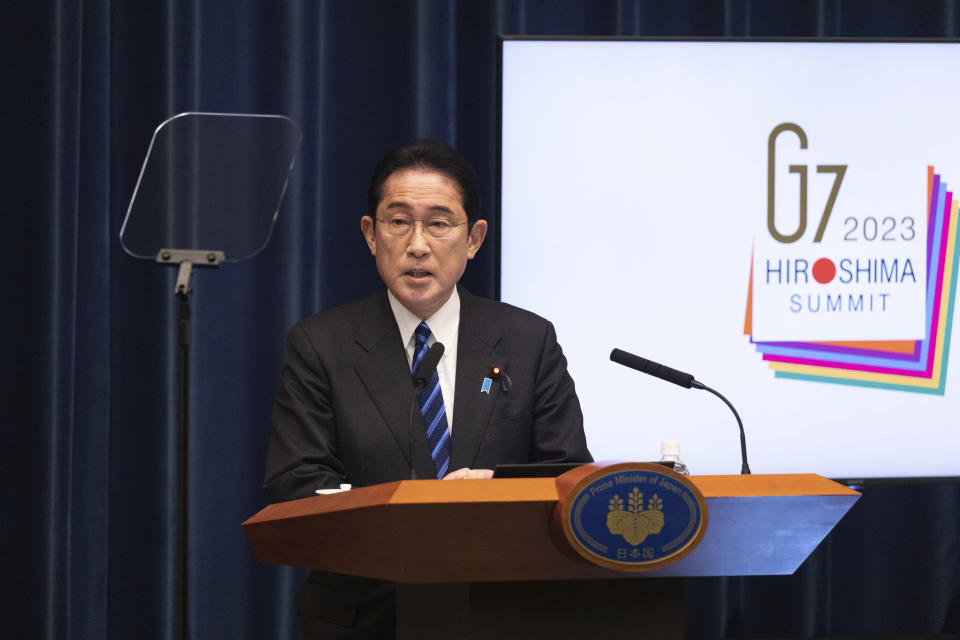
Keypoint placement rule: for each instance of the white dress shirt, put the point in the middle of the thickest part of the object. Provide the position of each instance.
(444, 328)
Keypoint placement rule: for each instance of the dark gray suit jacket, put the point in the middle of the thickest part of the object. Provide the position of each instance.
(343, 408)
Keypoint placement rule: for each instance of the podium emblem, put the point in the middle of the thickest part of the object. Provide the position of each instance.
(635, 524)
(630, 516)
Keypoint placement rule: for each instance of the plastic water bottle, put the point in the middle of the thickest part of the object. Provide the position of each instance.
(670, 456)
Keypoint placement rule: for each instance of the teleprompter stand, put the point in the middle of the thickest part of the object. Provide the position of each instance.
(208, 180)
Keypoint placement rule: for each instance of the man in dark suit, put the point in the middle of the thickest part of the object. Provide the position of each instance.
(501, 394)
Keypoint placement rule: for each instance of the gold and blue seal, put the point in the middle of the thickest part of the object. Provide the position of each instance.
(630, 516)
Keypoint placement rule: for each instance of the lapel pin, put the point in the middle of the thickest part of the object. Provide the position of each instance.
(497, 373)
(485, 388)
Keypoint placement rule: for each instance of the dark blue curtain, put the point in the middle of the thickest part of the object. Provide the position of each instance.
(87, 439)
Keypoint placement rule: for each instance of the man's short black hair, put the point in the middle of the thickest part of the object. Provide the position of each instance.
(431, 155)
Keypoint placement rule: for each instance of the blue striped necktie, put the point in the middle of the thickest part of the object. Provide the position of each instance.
(431, 406)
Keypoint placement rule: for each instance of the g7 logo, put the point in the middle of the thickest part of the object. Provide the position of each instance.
(838, 169)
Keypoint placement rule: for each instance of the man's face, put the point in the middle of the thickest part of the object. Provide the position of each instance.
(420, 270)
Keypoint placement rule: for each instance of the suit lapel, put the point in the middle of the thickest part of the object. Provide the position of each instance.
(385, 374)
(476, 353)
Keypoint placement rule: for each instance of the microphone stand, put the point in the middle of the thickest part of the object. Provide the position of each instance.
(413, 403)
(744, 467)
(684, 380)
(425, 370)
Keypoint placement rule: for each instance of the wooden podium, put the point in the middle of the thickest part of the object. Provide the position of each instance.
(485, 551)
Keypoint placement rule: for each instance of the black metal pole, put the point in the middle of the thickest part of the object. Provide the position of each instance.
(183, 430)
(744, 467)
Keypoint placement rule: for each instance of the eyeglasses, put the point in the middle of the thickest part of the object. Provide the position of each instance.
(401, 226)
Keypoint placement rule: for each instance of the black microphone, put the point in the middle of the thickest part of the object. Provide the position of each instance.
(428, 365)
(652, 368)
(684, 380)
(425, 370)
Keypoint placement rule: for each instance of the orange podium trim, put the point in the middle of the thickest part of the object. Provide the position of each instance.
(419, 531)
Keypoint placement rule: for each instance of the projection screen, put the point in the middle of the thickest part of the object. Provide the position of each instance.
(776, 218)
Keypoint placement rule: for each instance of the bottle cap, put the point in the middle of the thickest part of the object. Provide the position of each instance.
(670, 447)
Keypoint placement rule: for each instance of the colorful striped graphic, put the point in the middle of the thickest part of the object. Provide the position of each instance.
(919, 366)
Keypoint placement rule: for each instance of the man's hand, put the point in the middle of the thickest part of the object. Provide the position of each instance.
(469, 474)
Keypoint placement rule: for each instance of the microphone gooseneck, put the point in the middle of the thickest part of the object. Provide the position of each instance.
(684, 380)
(744, 467)
(425, 370)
